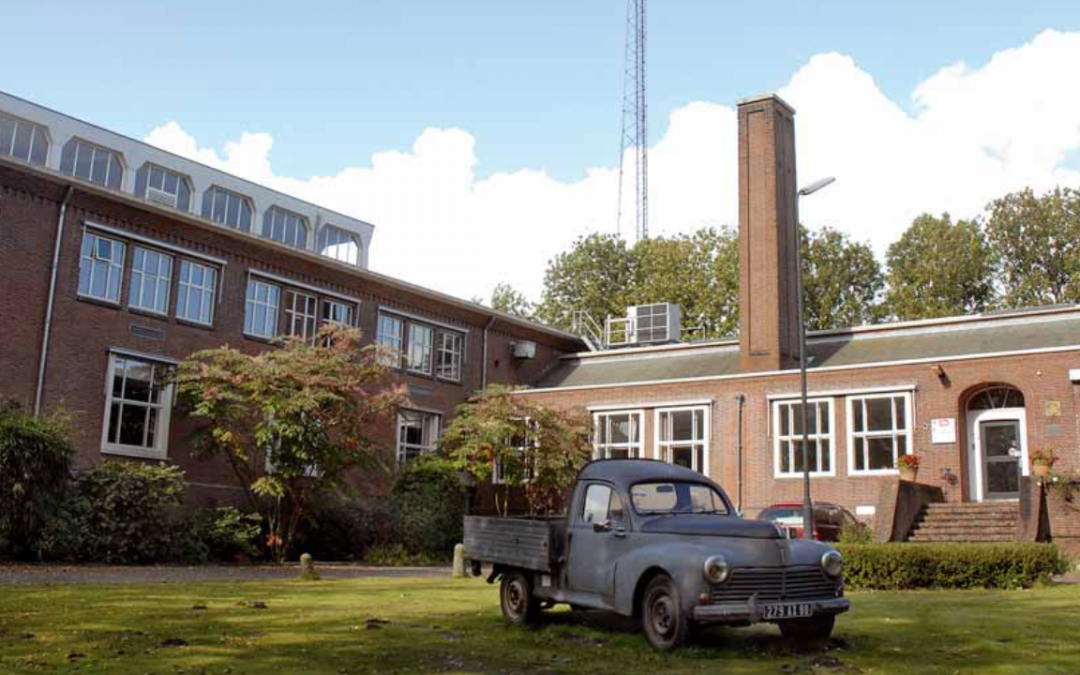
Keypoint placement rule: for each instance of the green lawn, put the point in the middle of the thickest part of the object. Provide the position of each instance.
(446, 626)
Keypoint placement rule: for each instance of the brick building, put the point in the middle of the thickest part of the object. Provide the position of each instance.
(118, 259)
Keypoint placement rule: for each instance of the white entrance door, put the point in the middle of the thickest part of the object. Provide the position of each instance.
(997, 456)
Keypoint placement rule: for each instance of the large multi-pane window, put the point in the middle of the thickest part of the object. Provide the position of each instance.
(101, 267)
(227, 208)
(617, 435)
(418, 433)
(92, 162)
(421, 343)
(301, 315)
(682, 437)
(788, 438)
(261, 309)
(285, 227)
(879, 432)
(137, 408)
(339, 313)
(521, 441)
(451, 349)
(339, 244)
(162, 186)
(390, 337)
(151, 275)
(23, 140)
(196, 292)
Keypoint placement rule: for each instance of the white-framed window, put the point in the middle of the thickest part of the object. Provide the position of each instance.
(418, 432)
(340, 313)
(196, 292)
(285, 227)
(618, 435)
(227, 208)
(151, 275)
(788, 438)
(421, 344)
(162, 186)
(390, 336)
(518, 443)
(137, 408)
(301, 315)
(682, 437)
(879, 432)
(451, 351)
(23, 140)
(101, 267)
(261, 309)
(92, 163)
(339, 244)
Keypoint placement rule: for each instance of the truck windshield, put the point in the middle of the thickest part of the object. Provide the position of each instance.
(676, 497)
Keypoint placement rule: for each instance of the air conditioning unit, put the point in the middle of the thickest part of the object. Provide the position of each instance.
(161, 197)
(654, 324)
(523, 349)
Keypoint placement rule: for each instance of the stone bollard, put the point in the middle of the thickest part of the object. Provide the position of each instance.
(307, 568)
(459, 561)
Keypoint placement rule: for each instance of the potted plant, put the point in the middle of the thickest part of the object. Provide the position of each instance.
(1042, 461)
(909, 467)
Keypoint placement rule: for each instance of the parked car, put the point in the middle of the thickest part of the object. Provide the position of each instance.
(829, 519)
(664, 544)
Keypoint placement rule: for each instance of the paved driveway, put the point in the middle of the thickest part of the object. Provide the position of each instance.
(107, 574)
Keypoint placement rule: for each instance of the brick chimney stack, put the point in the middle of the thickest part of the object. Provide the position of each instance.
(768, 254)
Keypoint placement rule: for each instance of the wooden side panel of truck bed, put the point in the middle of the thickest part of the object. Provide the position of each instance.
(519, 542)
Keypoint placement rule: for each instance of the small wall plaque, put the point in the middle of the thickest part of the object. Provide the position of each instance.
(943, 430)
(1052, 430)
(416, 390)
(1053, 408)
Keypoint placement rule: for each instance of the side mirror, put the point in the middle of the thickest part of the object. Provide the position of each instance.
(601, 527)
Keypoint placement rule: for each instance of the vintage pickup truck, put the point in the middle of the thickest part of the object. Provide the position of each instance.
(663, 544)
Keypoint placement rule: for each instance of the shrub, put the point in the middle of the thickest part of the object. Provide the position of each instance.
(339, 528)
(899, 566)
(427, 507)
(227, 534)
(397, 555)
(35, 465)
(856, 533)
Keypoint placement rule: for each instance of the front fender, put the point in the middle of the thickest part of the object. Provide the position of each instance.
(679, 560)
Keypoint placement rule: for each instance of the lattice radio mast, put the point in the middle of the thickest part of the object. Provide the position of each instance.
(635, 120)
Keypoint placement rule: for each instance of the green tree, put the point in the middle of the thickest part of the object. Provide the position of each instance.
(533, 448)
(595, 276)
(292, 422)
(506, 298)
(1036, 247)
(939, 268)
(843, 280)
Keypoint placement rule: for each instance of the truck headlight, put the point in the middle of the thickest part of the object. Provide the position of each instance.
(716, 569)
(832, 563)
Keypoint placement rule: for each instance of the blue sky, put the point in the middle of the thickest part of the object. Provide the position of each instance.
(538, 83)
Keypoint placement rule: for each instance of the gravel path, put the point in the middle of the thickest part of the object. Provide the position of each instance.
(103, 574)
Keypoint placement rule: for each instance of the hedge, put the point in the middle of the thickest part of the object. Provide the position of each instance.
(900, 566)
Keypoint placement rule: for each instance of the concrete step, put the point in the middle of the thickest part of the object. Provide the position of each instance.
(949, 529)
(970, 517)
(970, 537)
(984, 507)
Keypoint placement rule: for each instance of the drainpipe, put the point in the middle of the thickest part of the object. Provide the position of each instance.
(741, 400)
(52, 297)
(484, 364)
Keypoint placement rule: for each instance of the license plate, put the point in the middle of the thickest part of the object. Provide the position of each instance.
(786, 611)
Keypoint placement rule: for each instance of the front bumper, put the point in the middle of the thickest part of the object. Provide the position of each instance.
(752, 611)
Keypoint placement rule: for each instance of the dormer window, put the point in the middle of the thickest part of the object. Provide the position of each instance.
(285, 227)
(339, 244)
(162, 186)
(227, 208)
(23, 140)
(92, 163)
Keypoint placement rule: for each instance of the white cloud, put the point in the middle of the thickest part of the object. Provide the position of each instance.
(975, 134)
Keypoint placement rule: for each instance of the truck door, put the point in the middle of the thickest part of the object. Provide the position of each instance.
(598, 537)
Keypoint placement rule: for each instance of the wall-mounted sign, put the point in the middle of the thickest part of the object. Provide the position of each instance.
(943, 430)
(1053, 408)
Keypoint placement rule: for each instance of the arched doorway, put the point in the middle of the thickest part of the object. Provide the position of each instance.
(997, 432)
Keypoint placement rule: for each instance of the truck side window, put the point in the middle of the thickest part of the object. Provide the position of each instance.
(597, 500)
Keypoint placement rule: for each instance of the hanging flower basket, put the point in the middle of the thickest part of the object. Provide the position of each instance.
(1042, 462)
(909, 467)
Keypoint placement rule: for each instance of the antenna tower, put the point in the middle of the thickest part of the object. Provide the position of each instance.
(635, 129)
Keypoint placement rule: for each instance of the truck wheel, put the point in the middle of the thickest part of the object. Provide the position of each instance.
(519, 607)
(662, 618)
(814, 630)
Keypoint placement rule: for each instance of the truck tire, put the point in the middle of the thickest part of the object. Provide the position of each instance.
(815, 629)
(519, 606)
(663, 620)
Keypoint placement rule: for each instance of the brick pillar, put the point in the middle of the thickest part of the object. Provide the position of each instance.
(768, 290)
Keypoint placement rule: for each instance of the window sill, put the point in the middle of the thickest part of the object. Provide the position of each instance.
(98, 301)
(194, 324)
(794, 476)
(139, 453)
(259, 338)
(875, 472)
(149, 313)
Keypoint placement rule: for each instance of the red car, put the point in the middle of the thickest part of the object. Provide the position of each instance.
(829, 519)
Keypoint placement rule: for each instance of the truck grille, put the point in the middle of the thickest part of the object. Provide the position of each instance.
(775, 585)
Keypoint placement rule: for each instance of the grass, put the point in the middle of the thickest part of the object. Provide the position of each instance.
(449, 626)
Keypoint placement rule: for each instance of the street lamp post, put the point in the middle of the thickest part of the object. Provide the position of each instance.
(808, 509)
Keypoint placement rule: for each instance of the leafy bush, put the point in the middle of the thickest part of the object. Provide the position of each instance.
(226, 533)
(398, 555)
(899, 566)
(856, 533)
(339, 528)
(35, 465)
(427, 507)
